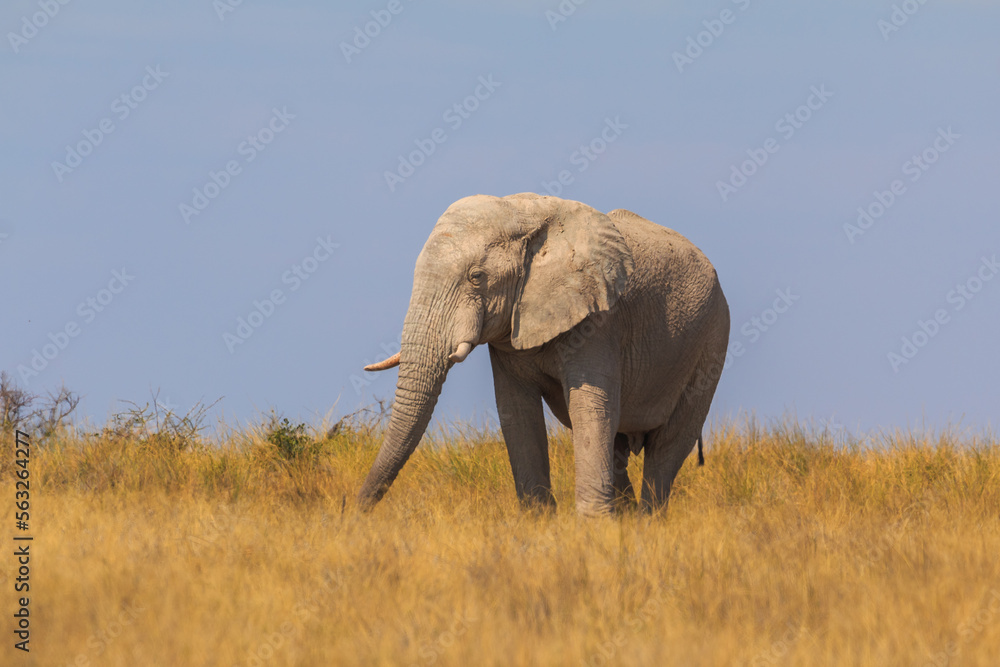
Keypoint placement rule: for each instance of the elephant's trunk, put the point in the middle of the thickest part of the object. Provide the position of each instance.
(423, 367)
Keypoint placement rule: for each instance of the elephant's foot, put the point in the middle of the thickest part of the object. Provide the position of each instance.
(595, 508)
(653, 509)
(539, 502)
(625, 503)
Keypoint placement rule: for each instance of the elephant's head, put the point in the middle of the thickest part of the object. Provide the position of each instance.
(520, 269)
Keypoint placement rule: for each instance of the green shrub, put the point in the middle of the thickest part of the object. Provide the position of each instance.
(291, 442)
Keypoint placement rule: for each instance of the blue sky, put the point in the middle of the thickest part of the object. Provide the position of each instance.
(754, 129)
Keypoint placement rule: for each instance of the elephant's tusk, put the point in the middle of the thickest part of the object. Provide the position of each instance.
(391, 362)
(459, 355)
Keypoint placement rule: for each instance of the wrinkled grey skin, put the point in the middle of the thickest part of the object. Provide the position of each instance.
(617, 323)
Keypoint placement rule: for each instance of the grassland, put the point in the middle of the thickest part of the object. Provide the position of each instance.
(785, 549)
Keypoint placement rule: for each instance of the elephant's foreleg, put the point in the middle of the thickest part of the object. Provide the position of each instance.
(522, 421)
(593, 411)
(624, 494)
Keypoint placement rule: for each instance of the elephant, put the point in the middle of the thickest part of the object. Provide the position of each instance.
(618, 324)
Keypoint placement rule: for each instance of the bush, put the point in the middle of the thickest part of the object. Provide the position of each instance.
(40, 416)
(291, 442)
(157, 426)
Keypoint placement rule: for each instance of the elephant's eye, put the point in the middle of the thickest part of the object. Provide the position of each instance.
(477, 276)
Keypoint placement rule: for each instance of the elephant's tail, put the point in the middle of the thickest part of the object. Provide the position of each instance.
(701, 456)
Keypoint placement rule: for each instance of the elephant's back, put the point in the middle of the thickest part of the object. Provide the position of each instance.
(667, 264)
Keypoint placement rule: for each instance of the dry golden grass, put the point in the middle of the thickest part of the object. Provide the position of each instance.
(783, 550)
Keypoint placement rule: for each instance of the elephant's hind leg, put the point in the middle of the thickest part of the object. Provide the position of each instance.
(669, 446)
(664, 455)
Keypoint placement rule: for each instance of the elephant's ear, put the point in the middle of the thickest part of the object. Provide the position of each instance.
(576, 264)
